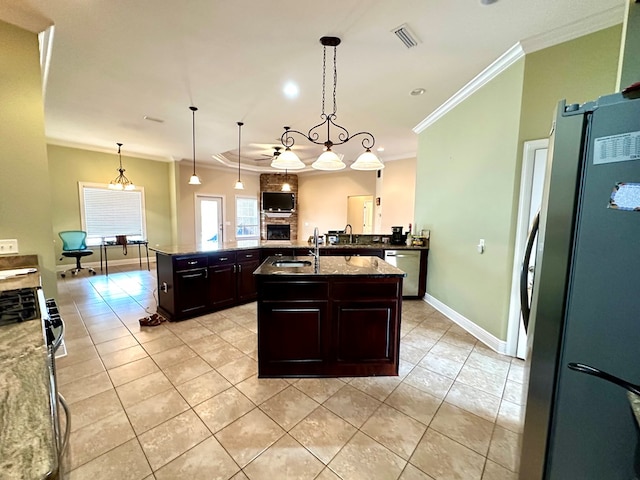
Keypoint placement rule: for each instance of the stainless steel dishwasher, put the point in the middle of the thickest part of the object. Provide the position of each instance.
(409, 262)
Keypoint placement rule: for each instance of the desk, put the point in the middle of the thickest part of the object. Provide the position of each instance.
(105, 245)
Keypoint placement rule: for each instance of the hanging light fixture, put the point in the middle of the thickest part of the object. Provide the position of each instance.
(286, 160)
(194, 180)
(285, 186)
(121, 182)
(329, 160)
(239, 184)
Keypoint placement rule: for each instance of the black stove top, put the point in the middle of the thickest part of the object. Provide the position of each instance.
(18, 305)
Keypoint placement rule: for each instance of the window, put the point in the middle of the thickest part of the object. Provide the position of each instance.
(106, 213)
(247, 219)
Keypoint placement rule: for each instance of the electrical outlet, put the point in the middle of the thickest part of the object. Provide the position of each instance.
(9, 245)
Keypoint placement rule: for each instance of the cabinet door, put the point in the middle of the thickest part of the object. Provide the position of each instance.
(247, 289)
(191, 296)
(222, 281)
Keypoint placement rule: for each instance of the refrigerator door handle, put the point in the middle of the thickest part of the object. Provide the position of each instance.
(589, 370)
(524, 273)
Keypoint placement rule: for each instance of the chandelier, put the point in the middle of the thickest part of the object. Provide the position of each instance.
(329, 160)
(121, 182)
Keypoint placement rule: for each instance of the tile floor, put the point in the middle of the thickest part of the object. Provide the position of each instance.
(182, 400)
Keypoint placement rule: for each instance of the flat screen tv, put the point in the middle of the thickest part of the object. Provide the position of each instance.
(278, 202)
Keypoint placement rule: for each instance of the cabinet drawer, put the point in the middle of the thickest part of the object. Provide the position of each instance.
(247, 255)
(369, 288)
(292, 290)
(222, 258)
(190, 262)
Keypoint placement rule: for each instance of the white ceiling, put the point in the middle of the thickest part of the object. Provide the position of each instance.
(115, 61)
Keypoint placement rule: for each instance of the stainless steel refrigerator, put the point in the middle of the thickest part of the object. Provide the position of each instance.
(584, 329)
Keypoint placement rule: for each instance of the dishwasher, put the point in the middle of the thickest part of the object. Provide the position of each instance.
(409, 262)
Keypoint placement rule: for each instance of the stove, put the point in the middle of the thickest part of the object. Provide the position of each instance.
(19, 305)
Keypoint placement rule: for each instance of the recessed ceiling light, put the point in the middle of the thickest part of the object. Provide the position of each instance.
(381, 149)
(291, 90)
(417, 92)
(152, 119)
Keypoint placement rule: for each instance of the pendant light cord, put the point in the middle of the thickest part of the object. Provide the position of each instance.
(239, 143)
(193, 135)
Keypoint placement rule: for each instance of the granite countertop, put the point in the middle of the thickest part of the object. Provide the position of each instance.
(332, 266)
(27, 443)
(634, 401)
(210, 247)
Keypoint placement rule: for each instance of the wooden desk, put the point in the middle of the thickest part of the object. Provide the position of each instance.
(104, 246)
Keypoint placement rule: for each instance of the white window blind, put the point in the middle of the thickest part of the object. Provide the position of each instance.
(107, 213)
(247, 220)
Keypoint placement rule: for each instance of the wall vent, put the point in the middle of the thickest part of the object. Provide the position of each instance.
(406, 36)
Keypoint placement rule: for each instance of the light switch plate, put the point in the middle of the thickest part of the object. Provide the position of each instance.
(9, 245)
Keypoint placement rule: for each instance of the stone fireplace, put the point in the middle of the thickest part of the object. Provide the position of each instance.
(279, 232)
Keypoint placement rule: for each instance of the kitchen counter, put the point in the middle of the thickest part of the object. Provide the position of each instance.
(331, 266)
(634, 401)
(27, 442)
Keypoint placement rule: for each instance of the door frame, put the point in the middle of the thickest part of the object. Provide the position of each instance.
(197, 213)
(522, 230)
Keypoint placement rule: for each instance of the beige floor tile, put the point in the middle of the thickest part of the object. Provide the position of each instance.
(394, 430)
(284, 460)
(482, 380)
(94, 408)
(414, 402)
(172, 356)
(97, 438)
(85, 387)
(223, 409)
(511, 416)
(413, 473)
(445, 459)
(110, 334)
(430, 382)
(77, 343)
(377, 387)
(117, 344)
(473, 400)
(126, 462)
(364, 459)
(431, 331)
(76, 355)
(206, 461)
(352, 405)
(463, 427)
(288, 407)
(320, 389)
(131, 371)
(247, 344)
(457, 353)
(187, 370)
(239, 370)
(516, 371)
(172, 438)
(147, 334)
(194, 332)
(156, 410)
(411, 354)
(217, 324)
(323, 433)
(221, 355)
(239, 476)
(260, 389)
(493, 471)
(441, 364)
(327, 474)
(249, 436)
(458, 337)
(505, 448)
(87, 368)
(494, 365)
(236, 333)
(162, 344)
(420, 342)
(143, 388)
(201, 388)
(205, 343)
(124, 356)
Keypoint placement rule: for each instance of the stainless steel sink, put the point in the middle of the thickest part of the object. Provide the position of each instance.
(291, 263)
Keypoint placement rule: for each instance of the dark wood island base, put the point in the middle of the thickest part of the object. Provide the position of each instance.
(340, 318)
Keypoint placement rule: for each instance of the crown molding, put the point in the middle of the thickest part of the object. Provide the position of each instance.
(95, 148)
(590, 24)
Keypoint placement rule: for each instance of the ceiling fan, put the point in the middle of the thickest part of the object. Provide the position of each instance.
(276, 153)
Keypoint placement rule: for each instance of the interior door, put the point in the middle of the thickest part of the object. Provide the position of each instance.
(209, 220)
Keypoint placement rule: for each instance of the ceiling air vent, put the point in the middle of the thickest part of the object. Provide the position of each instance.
(406, 36)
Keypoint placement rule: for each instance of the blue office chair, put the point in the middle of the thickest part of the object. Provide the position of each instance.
(74, 246)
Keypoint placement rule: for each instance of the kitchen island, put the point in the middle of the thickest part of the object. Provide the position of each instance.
(329, 316)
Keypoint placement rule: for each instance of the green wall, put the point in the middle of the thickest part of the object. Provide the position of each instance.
(469, 163)
(25, 200)
(68, 166)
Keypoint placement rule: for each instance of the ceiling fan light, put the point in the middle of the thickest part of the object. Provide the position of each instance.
(328, 161)
(194, 180)
(367, 161)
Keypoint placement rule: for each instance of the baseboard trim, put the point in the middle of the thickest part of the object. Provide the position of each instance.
(480, 333)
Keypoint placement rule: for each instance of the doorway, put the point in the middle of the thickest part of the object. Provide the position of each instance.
(209, 220)
(534, 163)
(360, 213)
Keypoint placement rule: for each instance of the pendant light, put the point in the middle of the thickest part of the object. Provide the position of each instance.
(239, 184)
(329, 160)
(121, 182)
(194, 180)
(285, 186)
(286, 160)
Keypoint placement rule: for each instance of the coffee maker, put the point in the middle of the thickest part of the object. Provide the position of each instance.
(397, 238)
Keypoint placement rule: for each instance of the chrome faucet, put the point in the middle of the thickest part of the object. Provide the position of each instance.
(316, 244)
(350, 231)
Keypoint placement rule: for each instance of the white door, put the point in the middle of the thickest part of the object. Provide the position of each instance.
(534, 164)
(209, 221)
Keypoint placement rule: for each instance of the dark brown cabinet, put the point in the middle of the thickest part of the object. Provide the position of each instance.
(222, 279)
(352, 252)
(183, 286)
(247, 261)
